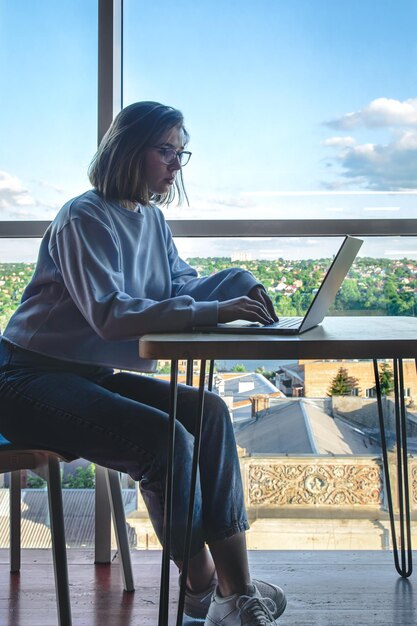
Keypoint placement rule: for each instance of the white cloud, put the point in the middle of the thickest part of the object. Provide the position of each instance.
(339, 142)
(378, 209)
(391, 166)
(408, 140)
(209, 205)
(18, 202)
(321, 192)
(48, 185)
(219, 199)
(381, 112)
(12, 192)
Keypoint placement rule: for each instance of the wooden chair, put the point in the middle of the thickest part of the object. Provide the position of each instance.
(46, 463)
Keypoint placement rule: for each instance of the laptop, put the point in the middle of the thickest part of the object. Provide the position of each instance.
(318, 308)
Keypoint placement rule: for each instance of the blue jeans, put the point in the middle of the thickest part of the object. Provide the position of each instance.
(120, 420)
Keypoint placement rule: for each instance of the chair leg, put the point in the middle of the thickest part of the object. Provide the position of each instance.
(102, 536)
(15, 520)
(59, 549)
(119, 521)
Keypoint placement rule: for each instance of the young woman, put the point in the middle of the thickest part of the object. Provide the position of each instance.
(108, 272)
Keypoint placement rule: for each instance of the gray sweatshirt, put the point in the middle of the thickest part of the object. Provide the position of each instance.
(104, 277)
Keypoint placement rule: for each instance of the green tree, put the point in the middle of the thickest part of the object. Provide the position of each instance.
(297, 302)
(386, 380)
(284, 306)
(35, 482)
(83, 478)
(394, 305)
(164, 369)
(348, 297)
(269, 375)
(239, 367)
(342, 384)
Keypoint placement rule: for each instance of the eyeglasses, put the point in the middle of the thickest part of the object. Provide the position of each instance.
(168, 155)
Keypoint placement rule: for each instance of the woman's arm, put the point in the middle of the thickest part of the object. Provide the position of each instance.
(88, 258)
(224, 285)
(228, 286)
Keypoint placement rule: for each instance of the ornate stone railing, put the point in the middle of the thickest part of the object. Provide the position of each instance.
(345, 482)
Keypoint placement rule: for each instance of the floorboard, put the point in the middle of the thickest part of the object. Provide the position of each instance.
(324, 588)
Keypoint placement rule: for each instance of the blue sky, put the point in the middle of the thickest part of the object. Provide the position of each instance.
(298, 109)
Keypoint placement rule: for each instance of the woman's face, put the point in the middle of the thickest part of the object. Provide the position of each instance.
(160, 176)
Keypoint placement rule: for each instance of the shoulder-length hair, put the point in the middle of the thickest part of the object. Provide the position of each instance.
(117, 168)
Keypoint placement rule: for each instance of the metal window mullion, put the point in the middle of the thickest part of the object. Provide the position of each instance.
(238, 228)
(110, 61)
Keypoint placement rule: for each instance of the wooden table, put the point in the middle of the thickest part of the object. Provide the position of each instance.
(336, 338)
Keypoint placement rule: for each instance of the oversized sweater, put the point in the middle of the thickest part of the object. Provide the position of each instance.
(104, 277)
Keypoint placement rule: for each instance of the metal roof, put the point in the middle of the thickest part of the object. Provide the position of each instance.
(79, 516)
(301, 426)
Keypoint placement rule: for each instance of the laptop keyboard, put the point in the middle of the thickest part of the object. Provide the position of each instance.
(286, 322)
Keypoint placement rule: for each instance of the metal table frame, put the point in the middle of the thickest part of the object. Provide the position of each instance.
(359, 338)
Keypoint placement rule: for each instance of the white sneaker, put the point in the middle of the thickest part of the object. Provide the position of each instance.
(253, 608)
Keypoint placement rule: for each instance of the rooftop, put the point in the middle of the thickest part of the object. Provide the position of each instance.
(301, 426)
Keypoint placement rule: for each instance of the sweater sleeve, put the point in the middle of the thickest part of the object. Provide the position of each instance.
(87, 256)
(224, 285)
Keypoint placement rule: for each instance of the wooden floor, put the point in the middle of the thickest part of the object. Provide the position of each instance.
(323, 589)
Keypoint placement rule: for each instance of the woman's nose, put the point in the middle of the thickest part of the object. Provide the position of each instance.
(176, 163)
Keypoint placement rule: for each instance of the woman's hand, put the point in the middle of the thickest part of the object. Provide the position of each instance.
(256, 307)
(259, 294)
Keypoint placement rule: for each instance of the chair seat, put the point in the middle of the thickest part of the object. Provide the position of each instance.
(28, 457)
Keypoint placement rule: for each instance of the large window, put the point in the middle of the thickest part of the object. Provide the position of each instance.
(48, 117)
(48, 130)
(48, 121)
(300, 109)
(303, 110)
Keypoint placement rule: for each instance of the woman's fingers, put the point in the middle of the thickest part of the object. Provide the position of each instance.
(259, 293)
(244, 308)
(255, 307)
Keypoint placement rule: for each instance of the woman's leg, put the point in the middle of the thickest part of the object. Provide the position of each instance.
(73, 408)
(46, 404)
(120, 421)
(231, 560)
(223, 511)
(224, 516)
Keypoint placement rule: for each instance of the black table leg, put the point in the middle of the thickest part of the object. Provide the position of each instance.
(193, 480)
(404, 568)
(189, 372)
(211, 376)
(166, 550)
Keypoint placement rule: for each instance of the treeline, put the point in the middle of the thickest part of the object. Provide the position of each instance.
(379, 286)
(13, 279)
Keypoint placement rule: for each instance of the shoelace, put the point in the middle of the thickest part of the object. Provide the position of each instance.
(258, 610)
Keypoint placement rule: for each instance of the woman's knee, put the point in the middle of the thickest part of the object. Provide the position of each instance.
(215, 404)
(184, 447)
(216, 407)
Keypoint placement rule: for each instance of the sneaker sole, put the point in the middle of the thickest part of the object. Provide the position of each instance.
(281, 608)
